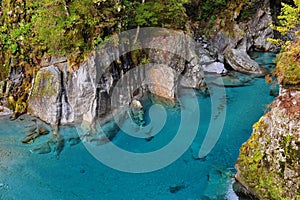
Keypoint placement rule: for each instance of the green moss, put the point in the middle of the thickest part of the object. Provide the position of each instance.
(43, 86)
(288, 65)
(260, 168)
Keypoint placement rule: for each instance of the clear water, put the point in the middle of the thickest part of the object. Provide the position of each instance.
(76, 174)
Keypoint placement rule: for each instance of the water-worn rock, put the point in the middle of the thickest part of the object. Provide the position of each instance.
(215, 67)
(248, 34)
(162, 81)
(137, 112)
(269, 162)
(177, 50)
(45, 99)
(228, 81)
(34, 133)
(240, 61)
(109, 79)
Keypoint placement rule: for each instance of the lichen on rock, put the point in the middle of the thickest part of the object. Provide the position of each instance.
(269, 162)
(45, 98)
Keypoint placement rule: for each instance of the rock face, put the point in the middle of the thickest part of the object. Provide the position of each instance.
(240, 61)
(45, 98)
(247, 35)
(162, 81)
(109, 79)
(269, 162)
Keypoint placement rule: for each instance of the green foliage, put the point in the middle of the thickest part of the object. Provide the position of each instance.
(30, 29)
(288, 65)
(248, 11)
(288, 68)
(288, 19)
(162, 13)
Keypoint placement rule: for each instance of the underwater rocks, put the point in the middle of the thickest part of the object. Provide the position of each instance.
(177, 188)
(137, 112)
(55, 144)
(269, 162)
(35, 132)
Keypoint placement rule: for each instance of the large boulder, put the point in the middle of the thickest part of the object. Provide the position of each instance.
(240, 61)
(45, 98)
(269, 162)
(162, 81)
(109, 79)
(177, 50)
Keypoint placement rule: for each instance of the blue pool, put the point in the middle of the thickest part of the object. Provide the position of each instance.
(77, 174)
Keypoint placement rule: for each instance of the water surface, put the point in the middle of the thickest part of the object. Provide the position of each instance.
(76, 174)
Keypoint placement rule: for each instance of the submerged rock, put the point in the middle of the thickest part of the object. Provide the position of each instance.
(229, 81)
(42, 149)
(35, 133)
(137, 112)
(177, 188)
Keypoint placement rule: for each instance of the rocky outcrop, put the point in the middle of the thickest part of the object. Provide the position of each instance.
(241, 62)
(245, 35)
(109, 79)
(269, 162)
(210, 60)
(45, 97)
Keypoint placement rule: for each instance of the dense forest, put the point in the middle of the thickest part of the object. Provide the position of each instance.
(33, 29)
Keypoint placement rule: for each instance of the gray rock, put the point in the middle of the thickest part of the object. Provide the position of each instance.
(241, 62)
(248, 34)
(242, 192)
(45, 98)
(107, 80)
(215, 67)
(228, 81)
(162, 81)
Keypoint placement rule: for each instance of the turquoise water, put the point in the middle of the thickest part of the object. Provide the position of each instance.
(76, 174)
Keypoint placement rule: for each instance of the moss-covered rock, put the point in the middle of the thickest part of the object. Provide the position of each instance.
(288, 65)
(269, 162)
(45, 99)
